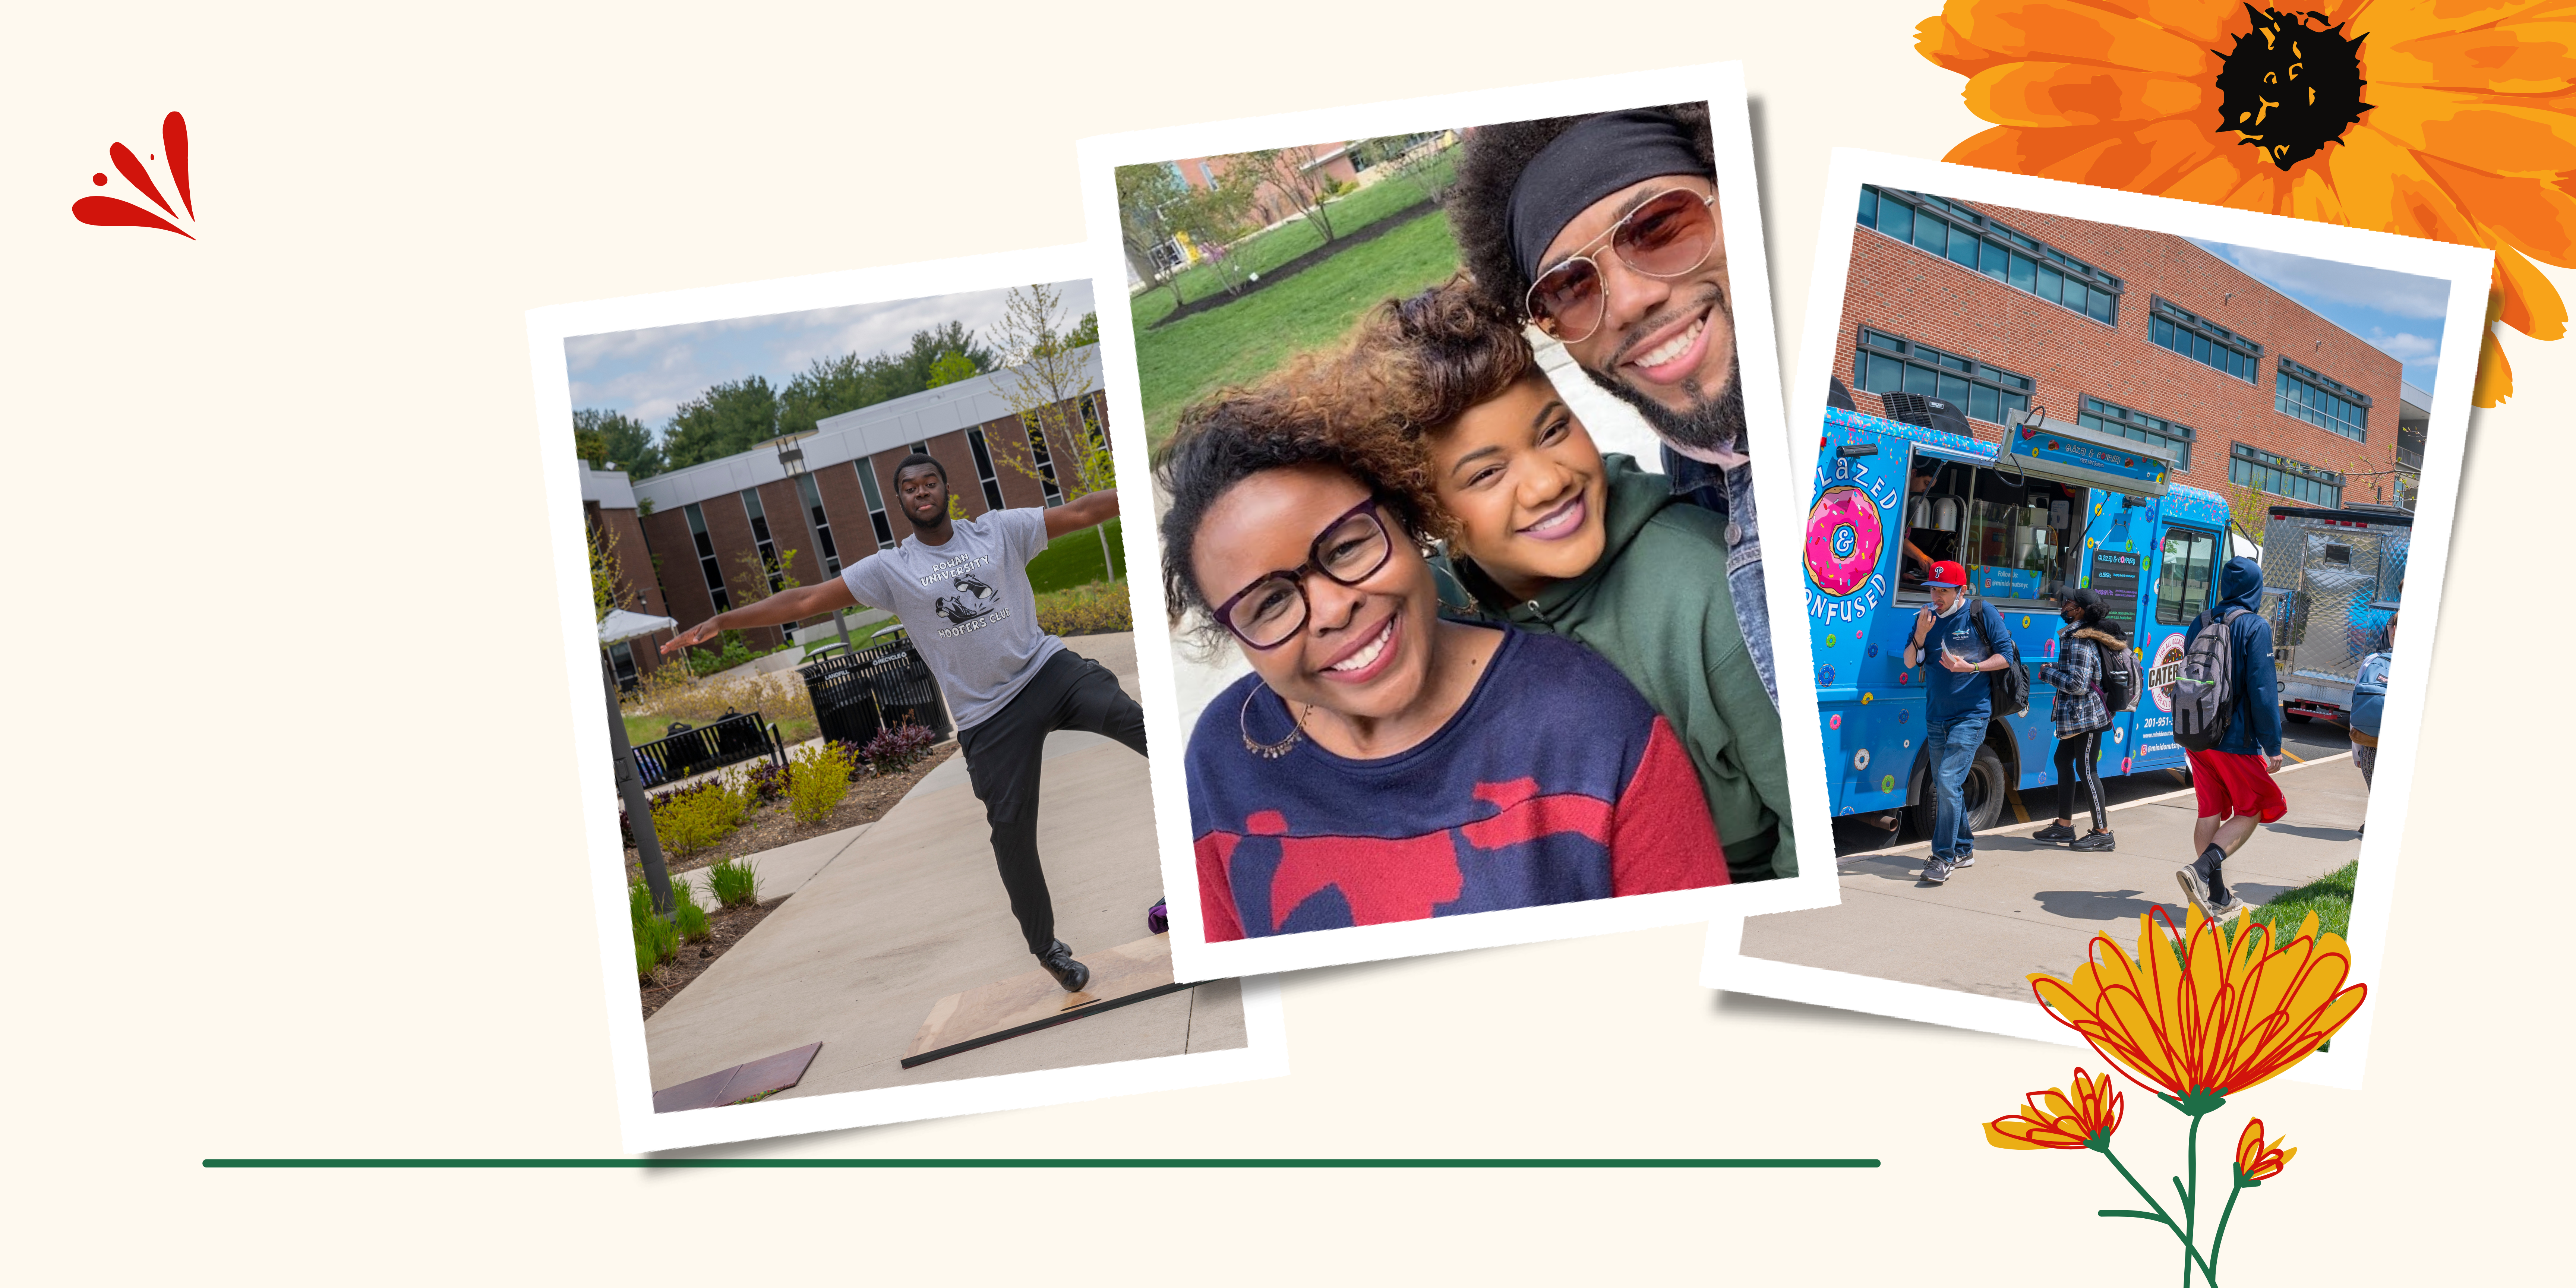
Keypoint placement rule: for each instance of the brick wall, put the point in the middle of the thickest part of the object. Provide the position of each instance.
(639, 590)
(1911, 292)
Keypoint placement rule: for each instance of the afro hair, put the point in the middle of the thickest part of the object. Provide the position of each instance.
(1489, 167)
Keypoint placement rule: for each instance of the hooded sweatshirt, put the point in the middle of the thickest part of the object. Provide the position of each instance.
(2255, 728)
(1658, 607)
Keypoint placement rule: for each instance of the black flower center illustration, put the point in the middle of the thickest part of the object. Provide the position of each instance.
(2291, 85)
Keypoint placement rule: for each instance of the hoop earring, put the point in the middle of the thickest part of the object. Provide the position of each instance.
(1267, 750)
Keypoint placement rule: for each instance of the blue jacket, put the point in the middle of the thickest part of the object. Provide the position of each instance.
(1948, 694)
(2256, 728)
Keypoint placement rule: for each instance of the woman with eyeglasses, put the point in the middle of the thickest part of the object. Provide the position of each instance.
(1441, 394)
(1382, 764)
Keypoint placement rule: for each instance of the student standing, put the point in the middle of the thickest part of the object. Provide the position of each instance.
(2080, 713)
(1958, 701)
(2233, 780)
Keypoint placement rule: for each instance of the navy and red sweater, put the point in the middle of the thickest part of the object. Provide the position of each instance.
(1554, 783)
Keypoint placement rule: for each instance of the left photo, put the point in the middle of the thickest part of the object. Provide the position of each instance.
(859, 654)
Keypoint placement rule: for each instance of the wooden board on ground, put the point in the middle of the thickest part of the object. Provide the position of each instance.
(1032, 1000)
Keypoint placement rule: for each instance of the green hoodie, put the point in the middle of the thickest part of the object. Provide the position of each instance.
(1657, 607)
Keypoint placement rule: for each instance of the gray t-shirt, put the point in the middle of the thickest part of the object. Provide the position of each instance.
(968, 606)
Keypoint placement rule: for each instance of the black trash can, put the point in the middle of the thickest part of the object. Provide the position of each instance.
(844, 705)
(907, 692)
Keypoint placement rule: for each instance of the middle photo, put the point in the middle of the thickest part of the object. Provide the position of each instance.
(1459, 415)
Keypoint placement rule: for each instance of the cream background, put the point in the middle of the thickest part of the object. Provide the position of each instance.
(354, 919)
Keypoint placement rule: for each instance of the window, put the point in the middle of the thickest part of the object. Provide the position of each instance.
(1207, 174)
(2321, 401)
(2281, 476)
(1975, 242)
(2183, 575)
(876, 503)
(621, 657)
(2161, 434)
(984, 468)
(707, 566)
(2020, 538)
(2203, 341)
(760, 537)
(922, 447)
(1890, 364)
(812, 496)
(1032, 426)
(1094, 437)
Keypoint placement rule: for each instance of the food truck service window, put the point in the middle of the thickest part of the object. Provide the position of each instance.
(2183, 572)
(2020, 538)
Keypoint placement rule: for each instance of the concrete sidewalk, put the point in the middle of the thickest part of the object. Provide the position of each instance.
(2029, 907)
(909, 910)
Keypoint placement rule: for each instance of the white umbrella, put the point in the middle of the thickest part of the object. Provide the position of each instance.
(623, 625)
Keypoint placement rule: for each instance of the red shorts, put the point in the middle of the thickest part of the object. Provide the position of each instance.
(2231, 784)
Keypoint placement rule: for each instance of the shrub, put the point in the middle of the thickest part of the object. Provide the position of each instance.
(896, 749)
(734, 883)
(817, 780)
(767, 781)
(691, 818)
(688, 919)
(1086, 610)
(655, 939)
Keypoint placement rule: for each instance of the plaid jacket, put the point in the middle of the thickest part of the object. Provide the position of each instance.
(2077, 673)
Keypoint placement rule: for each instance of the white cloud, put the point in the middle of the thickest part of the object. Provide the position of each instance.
(2309, 280)
(2405, 346)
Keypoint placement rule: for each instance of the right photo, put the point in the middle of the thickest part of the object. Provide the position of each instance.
(2106, 555)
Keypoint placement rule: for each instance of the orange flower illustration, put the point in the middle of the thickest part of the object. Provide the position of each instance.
(2203, 1016)
(2256, 1162)
(2453, 120)
(2052, 1119)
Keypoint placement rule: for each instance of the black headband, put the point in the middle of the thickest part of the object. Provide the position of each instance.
(1599, 156)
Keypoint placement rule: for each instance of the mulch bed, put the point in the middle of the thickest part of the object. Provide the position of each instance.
(771, 826)
(1376, 228)
(730, 925)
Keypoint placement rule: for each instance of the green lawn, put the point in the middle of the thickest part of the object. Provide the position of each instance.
(1195, 356)
(1268, 250)
(1074, 559)
(2329, 896)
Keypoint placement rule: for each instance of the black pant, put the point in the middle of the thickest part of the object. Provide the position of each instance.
(1003, 756)
(2075, 757)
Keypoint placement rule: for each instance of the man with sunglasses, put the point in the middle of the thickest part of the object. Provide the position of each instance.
(961, 588)
(1604, 232)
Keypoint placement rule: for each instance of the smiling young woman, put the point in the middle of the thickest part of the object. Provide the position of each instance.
(1381, 763)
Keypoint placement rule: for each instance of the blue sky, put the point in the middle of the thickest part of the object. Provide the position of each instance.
(2399, 313)
(648, 374)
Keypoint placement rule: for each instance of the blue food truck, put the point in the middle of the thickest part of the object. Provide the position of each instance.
(2053, 506)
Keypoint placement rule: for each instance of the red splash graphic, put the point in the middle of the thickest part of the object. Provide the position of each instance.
(116, 212)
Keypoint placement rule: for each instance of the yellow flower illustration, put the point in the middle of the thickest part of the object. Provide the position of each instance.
(2444, 119)
(2052, 1119)
(2256, 1162)
(2201, 1015)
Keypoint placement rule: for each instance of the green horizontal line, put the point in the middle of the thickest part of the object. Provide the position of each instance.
(1040, 1162)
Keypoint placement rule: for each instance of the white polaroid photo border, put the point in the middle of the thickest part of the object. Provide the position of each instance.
(1722, 87)
(1265, 1054)
(2466, 268)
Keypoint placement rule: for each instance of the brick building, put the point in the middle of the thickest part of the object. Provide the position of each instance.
(608, 512)
(2134, 333)
(1204, 173)
(711, 527)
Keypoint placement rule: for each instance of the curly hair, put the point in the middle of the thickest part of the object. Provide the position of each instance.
(1489, 167)
(1415, 365)
(1289, 419)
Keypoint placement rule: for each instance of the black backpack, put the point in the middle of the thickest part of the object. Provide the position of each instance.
(2011, 685)
(2119, 677)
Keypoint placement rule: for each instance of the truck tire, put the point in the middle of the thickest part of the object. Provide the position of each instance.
(1982, 795)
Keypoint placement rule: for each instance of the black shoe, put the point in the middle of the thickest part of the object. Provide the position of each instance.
(1059, 962)
(2054, 834)
(2095, 843)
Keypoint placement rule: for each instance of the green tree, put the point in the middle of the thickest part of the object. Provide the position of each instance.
(613, 438)
(831, 386)
(951, 368)
(1294, 174)
(1150, 198)
(1048, 383)
(730, 417)
(1084, 332)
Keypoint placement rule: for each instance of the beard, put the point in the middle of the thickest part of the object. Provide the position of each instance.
(940, 515)
(1710, 425)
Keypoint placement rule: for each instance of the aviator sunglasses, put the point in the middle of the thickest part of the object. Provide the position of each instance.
(1667, 235)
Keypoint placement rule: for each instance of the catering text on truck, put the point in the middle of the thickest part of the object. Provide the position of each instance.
(2330, 585)
(2055, 505)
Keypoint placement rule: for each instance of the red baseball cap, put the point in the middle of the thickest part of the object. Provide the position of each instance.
(1946, 573)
